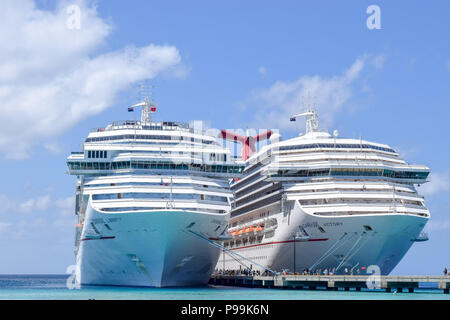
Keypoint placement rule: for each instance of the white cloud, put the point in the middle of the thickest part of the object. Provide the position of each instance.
(51, 77)
(262, 71)
(53, 147)
(379, 60)
(37, 204)
(274, 106)
(436, 225)
(6, 204)
(66, 205)
(3, 226)
(407, 151)
(34, 213)
(438, 182)
(65, 224)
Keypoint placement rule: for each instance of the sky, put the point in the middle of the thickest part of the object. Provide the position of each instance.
(69, 66)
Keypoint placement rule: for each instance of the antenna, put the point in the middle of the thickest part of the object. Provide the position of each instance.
(335, 135)
(312, 122)
(146, 102)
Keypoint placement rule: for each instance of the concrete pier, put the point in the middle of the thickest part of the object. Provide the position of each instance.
(333, 282)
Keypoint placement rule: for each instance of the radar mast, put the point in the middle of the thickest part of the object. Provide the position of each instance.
(312, 122)
(146, 102)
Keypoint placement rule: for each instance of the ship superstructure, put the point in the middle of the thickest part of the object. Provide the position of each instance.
(147, 193)
(320, 202)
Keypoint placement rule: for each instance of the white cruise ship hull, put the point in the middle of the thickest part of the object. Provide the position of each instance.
(153, 248)
(345, 243)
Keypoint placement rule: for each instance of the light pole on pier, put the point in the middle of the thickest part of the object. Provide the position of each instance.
(296, 237)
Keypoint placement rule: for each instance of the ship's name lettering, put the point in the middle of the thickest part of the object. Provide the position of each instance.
(310, 225)
(333, 224)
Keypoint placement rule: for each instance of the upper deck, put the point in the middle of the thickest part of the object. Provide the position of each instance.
(128, 146)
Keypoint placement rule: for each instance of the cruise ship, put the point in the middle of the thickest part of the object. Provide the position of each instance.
(318, 202)
(150, 197)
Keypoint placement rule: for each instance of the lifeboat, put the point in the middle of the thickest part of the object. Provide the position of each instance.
(251, 229)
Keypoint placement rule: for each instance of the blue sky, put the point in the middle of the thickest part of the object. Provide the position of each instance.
(233, 63)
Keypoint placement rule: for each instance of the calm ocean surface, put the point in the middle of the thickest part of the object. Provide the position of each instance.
(49, 287)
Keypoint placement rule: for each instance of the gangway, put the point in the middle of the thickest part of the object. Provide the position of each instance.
(231, 253)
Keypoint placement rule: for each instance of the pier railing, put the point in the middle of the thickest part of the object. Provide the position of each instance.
(333, 282)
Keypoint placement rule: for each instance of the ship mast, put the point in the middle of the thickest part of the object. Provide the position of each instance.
(312, 122)
(147, 104)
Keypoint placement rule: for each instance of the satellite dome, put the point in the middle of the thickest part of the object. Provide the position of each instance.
(335, 133)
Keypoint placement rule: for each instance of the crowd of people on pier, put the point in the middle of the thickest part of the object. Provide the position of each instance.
(315, 272)
(312, 272)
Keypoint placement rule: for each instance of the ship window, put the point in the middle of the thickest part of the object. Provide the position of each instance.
(97, 154)
(89, 154)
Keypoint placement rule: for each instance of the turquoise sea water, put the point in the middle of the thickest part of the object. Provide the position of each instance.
(50, 287)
